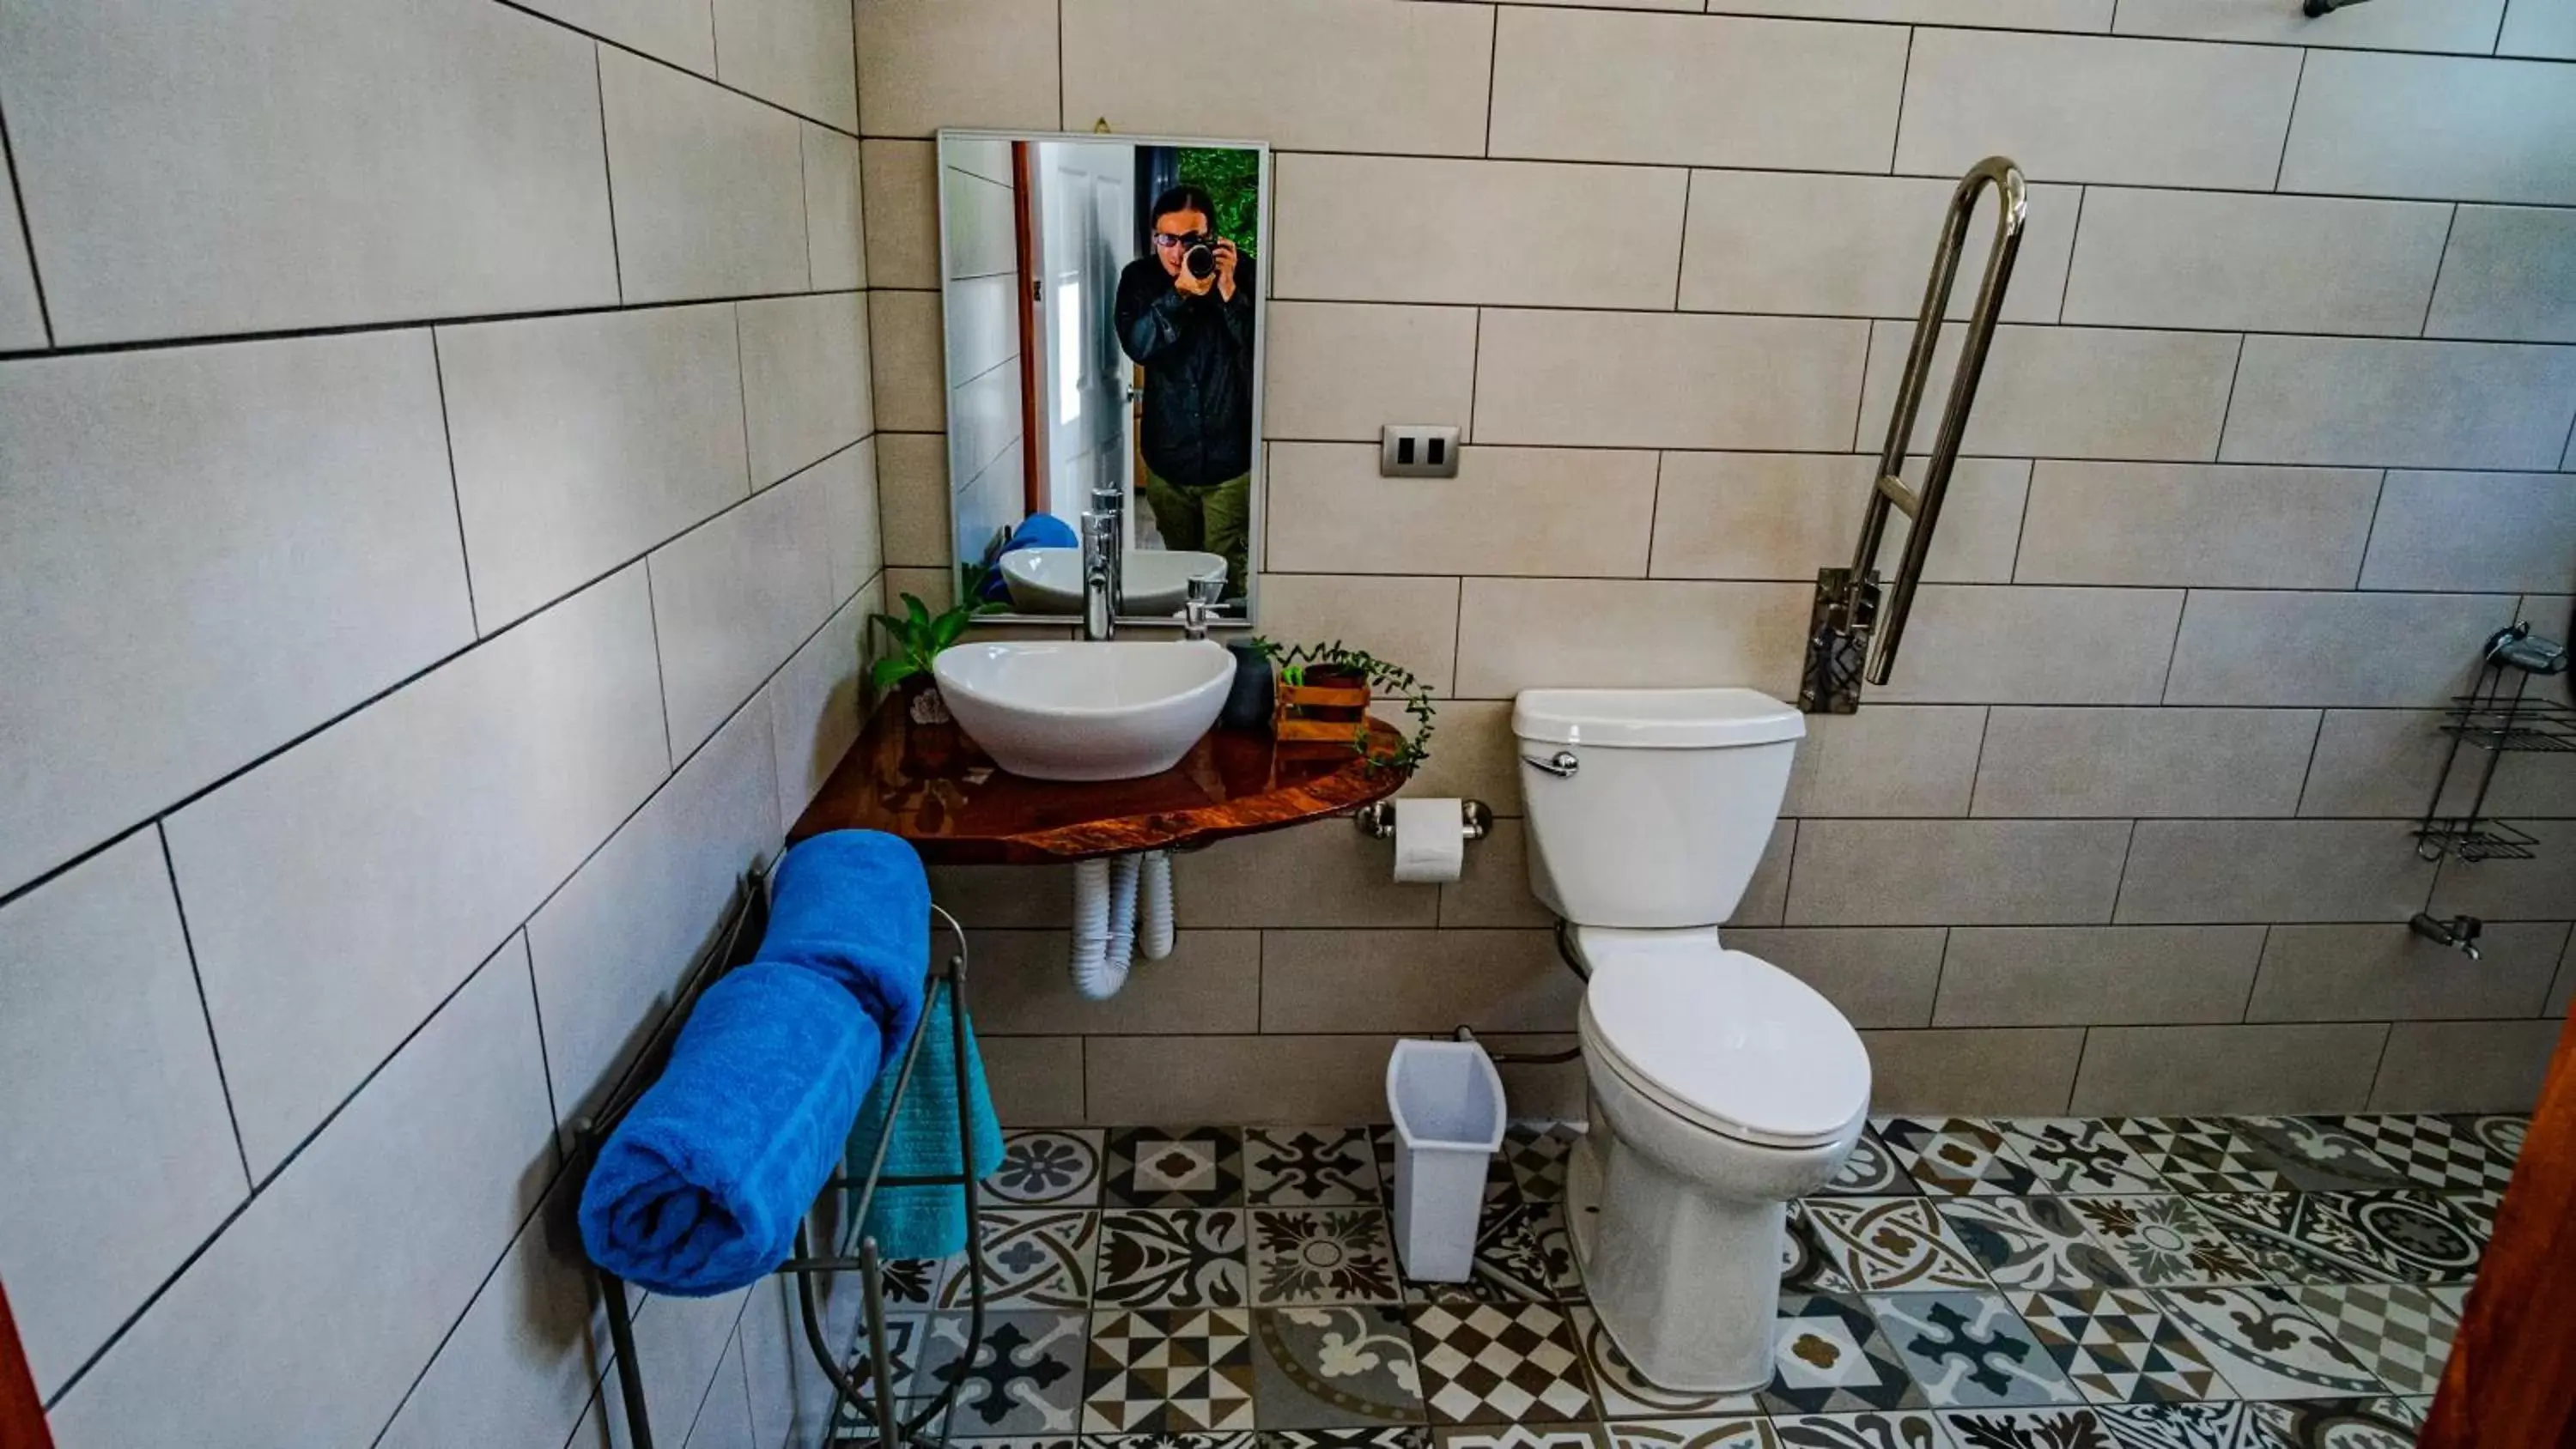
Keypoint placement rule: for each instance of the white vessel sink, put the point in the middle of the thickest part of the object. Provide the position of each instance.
(1061, 710)
(1156, 582)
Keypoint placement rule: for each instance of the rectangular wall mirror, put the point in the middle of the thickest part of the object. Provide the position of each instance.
(1104, 311)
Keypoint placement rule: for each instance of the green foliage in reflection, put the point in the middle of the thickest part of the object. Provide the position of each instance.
(1233, 180)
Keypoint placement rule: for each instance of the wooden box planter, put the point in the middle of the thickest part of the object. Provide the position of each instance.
(1328, 706)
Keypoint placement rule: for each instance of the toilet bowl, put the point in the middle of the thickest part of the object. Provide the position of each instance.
(1721, 1086)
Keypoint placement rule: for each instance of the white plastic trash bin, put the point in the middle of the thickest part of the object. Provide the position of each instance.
(1448, 1105)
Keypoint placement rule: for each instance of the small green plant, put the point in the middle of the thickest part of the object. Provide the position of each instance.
(1384, 678)
(915, 639)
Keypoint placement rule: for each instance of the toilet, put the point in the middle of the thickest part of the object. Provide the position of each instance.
(1721, 1086)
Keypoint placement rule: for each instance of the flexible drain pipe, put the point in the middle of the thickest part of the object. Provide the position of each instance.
(1154, 938)
(1122, 906)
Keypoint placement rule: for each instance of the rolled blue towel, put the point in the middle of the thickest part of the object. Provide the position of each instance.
(926, 1222)
(854, 905)
(700, 1188)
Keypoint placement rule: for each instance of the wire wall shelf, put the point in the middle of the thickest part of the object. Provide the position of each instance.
(2499, 716)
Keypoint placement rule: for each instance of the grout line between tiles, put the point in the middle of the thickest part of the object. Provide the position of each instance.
(205, 1009)
(2308, 774)
(2441, 262)
(455, 489)
(2074, 248)
(608, 168)
(1904, 85)
(15, 196)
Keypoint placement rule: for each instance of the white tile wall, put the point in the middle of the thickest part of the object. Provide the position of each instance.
(1968, 872)
(1477, 231)
(2162, 1070)
(2363, 128)
(328, 898)
(2537, 27)
(1516, 634)
(2406, 404)
(2468, 26)
(2380, 650)
(1336, 75)
(814, 702)
(2069, 392)
(1547, 511)
(1782, 515)
(2473, 531)
(2272, 870)
(1705, 91)
(2365, 973)
(1977, 644)
(1800, 242)
(2007, 14)
(1345, 371)
(835, 217)
(526, 1358)
(924, 64)
(735, 597)
(2091, 108)
(709, 186)
(2277, 263)
(203, 554)
(581, 442)
(358, 1257)
(132, 1163)
(377, 161)
(804, 380)
(2509, 273)
(609, 947)
(797, 53)
(2195, 524)
(1359, 981)
(2142, 762)
(1610, 379)
(22, 321)
(2096, 975)
(679, 31)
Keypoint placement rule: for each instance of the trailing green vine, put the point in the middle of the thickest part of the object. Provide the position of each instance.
(1384, 678)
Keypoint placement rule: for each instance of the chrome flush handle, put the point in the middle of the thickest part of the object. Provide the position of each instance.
(1562, 764)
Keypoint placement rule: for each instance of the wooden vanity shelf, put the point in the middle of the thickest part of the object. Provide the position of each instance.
(932, 786)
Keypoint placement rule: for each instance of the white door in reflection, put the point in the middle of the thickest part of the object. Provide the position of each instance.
(1086, 237)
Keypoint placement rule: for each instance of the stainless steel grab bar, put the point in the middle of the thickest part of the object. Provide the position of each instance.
(1847, 621)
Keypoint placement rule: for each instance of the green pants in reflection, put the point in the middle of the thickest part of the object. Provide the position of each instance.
(1216, 519)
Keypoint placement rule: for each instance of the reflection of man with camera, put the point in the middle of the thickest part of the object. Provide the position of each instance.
(1185, 314)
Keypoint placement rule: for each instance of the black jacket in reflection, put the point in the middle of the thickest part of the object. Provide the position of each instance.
(1197, 355)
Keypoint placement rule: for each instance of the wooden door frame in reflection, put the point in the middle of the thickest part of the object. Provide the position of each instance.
(22, 1414)
(2511, 1380)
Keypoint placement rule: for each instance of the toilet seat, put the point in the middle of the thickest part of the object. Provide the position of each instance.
(1722, 1039)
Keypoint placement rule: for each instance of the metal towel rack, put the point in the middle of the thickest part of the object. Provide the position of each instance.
(1847, 619)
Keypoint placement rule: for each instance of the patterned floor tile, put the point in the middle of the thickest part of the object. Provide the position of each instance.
(1484, 1363)
(1870, 1171)
(2119, 1347)
(1535, 1154)
(2198, 1154)
(1410, 1436)
(1970, 1350)
(1893, 1244)
(1523, 1254)
(1309, 1167)
(1829, 1357)
(1173, 1167)
(2401, 1332)
(2075, 1154)
(1861, 1431)
(1957, 1157)
(1323, 1255)
(1521, 1436)
(1625, 1393)
(915, 1282)
(1024, 1377)
(906, 1334)
(1242, 1440)
(1168, 1371)
(1805, 1264)
(2332, 1424)
(2264, 1346)
(2288, 1238)
(2502, 1136)
(2184, 1426)
(1048, 1167)
(2315, 1155)
(1033, 1258)
(2032, 1242)
(1740, 1432)
(2420, 1237)
(2436, 1152)
(1172, 1258)
(2163, 1240)
(2131, 1426)
(2411, 1412)
(1347, 1366)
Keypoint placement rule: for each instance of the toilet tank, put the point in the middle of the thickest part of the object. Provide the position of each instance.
(1670, 799)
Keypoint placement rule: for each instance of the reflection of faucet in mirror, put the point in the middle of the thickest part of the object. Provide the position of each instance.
(1205, 595)
(1104, 530)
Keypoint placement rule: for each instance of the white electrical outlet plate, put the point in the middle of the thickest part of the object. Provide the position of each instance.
(1415, 451)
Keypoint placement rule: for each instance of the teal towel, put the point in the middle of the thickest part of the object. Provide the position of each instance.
(926, 1222)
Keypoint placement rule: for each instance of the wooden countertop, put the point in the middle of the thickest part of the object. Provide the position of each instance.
(933, 787)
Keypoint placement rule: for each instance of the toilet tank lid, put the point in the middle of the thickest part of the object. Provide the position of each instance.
(1654, 719)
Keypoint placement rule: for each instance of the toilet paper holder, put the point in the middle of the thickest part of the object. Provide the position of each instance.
(1376, 819)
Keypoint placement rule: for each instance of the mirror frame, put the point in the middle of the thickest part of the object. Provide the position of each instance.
(1257, 549)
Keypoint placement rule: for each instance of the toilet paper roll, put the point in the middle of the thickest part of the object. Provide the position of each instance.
(1430, 839)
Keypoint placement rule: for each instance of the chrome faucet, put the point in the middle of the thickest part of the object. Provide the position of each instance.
(2460, 933)
(1103, 534)
(1201, 607)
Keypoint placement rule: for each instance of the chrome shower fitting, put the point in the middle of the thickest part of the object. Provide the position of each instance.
(2460, 933)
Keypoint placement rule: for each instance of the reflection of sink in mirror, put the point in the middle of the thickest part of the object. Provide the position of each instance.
(1156, 582)
(1054, 710)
